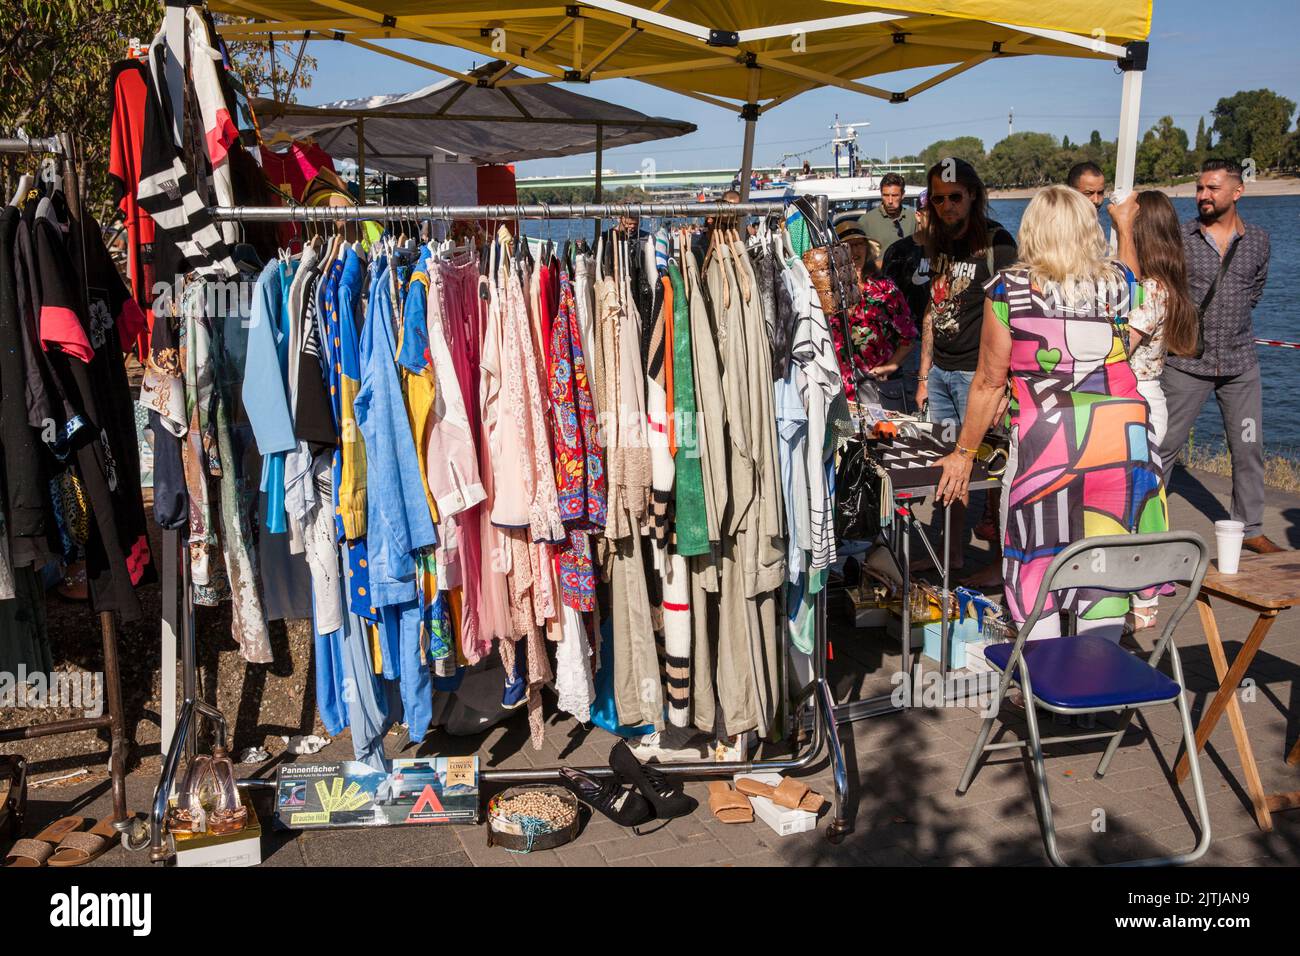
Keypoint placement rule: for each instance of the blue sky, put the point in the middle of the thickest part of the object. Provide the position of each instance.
(1200, 51)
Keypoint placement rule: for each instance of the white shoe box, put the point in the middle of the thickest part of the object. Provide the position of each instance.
(782, 821)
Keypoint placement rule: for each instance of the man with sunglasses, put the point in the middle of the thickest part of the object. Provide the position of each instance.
(891, 220)
(965, 247)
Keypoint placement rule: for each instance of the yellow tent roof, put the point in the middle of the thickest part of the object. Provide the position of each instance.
(757, 51)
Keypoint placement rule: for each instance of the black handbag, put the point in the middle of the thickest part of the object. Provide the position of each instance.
(1209, 297)
(857, 495)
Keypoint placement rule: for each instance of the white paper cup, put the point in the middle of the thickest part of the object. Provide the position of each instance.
(1228, 536)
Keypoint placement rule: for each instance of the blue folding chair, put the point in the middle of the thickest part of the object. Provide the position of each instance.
(1082, 674)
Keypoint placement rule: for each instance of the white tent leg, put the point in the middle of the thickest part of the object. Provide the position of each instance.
(1126, 147)
(1133, 65)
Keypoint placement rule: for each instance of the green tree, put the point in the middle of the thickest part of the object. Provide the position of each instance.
(1162, 155)
(1065, 142)
(1202, 148)
(1095, 140)
(278, 71)
(1291, 151)
(1025, 159)
(55, 56)
(1253, 124)
(969, 148)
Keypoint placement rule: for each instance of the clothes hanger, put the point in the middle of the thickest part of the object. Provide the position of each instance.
(25, 183)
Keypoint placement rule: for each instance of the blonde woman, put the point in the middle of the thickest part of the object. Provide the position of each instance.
(1083, 461)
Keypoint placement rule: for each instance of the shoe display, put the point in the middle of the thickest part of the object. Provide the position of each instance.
(621, 804)
(672, 744)
(667, 798)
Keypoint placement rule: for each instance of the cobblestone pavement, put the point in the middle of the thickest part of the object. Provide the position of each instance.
(903, 769)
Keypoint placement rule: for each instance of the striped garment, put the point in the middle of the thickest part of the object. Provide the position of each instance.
(677, 639)
(167, 189)
(813, 353)
(661, 460)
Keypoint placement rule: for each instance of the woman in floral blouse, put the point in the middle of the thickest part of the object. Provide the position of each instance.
(872, 341)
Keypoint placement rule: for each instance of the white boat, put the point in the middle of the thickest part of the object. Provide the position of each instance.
(846, 193)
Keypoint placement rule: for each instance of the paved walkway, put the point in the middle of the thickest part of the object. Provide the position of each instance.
(904, 769)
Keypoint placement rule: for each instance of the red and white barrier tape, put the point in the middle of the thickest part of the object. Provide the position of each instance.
(1278, 344)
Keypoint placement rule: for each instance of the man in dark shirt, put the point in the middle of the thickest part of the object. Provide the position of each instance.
(907, 264)
(1229, 366)
(965, 248)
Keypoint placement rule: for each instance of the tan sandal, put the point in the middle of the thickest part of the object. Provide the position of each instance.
(789, 793)
(83, 846)
(728, 806)
(36, 850)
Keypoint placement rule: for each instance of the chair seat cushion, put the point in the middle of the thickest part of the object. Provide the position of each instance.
(1085, 671)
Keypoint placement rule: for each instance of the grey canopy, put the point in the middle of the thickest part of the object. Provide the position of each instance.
(457, 120)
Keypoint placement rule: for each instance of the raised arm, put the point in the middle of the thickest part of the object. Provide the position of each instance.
(986, 392)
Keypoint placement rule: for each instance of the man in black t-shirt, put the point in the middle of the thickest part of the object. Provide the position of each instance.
(907, 263)
(965, 248)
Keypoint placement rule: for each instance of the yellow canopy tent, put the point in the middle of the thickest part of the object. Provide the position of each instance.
(743, 55)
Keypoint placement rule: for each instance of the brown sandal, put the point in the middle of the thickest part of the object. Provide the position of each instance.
(36, 850)
(727, 805)
(82, 846)
(789, 793)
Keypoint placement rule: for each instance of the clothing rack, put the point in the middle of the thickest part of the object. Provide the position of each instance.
(64, 145)
(821, 722)
(528, 211)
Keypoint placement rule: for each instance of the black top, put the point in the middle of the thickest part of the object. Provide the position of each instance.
(957, 298)
(906, 263)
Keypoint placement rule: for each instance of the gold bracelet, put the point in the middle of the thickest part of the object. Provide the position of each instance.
(967, 452)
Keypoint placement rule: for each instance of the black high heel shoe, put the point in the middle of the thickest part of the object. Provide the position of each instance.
(667, 798)
(627, 808)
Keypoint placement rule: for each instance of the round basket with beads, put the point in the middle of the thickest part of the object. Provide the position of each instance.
(527, 818)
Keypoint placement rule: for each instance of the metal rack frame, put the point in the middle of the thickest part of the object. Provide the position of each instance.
(817, 695)
(65, 145)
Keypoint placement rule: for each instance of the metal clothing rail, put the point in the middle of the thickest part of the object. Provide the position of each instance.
(51, 144)
(517, 211)
(817, 695)
(114, 721)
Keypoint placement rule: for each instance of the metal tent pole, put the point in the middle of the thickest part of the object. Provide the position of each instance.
(1133, 66)
(749, 113)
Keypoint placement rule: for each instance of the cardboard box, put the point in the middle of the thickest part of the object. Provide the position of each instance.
(351, 794)
(960, 635)
(243, 848)
(782, 821)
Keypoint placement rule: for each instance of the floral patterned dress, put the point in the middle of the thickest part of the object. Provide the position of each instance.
(1085, 460)
(871, 334)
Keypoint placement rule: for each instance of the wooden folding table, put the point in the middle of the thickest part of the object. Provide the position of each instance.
(1267, 584)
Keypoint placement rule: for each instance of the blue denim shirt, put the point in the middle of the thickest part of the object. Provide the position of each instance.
(265, 394)
(398, 522)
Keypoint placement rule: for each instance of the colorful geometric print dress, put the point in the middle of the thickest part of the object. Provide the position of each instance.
(1085, 461)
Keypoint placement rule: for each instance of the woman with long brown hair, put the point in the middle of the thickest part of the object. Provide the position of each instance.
(1163, 319)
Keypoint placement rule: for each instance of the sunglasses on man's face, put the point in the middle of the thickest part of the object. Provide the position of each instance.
(955, 198)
